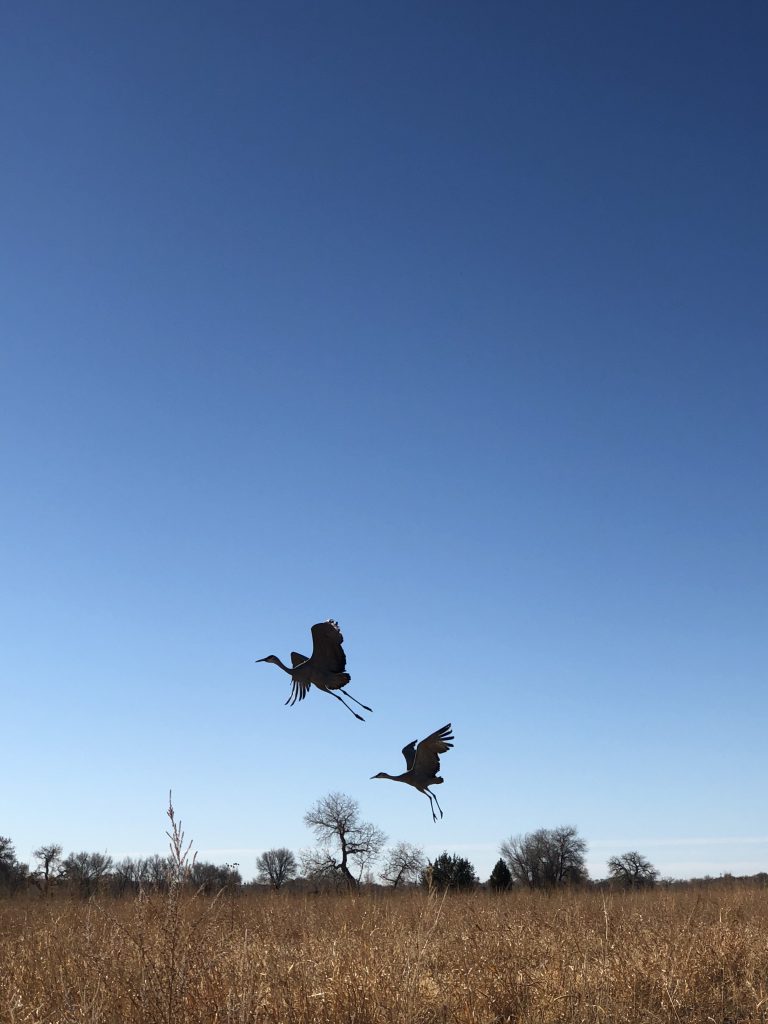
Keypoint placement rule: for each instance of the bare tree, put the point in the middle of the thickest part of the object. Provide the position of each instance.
(405, 863)
(275, 867)
(212, 878)
(319, 867)
(158, 872)
(49, 863)
(632, 871)
(134, 874)
(131, 874)
(85, 870)
(335, 820)
(547, 857)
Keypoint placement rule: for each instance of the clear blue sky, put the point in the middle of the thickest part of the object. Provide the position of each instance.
(447, 321)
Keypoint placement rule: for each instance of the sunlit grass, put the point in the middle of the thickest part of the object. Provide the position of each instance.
(667, 955)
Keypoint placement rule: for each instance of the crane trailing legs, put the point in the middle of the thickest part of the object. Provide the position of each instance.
(323, 669)
(423, 764)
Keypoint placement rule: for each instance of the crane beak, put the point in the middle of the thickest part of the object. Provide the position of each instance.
(260, 659)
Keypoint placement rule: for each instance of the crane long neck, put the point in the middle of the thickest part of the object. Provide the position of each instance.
(282, 666)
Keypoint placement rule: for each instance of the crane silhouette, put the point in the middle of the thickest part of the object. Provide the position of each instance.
(324, 668)
(423, 764)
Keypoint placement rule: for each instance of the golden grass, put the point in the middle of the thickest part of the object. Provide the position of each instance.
(411, 958)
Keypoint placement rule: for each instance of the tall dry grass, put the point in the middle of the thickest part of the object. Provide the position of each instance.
(659, 956)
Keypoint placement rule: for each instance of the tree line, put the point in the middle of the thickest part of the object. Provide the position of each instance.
(86, 873)
(350, 852)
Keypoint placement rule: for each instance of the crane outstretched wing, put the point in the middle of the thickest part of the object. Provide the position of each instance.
(409, 753)
(299, 690)
(327, 652)
(427, 758)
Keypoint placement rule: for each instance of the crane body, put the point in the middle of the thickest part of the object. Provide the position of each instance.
(324, 668)
(423, 763)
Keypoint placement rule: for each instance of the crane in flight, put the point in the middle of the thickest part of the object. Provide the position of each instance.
(423, 764)
(324, 668)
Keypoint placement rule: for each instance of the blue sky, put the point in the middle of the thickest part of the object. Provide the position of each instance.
(445, 321)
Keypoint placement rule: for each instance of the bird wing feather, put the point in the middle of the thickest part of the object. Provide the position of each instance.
(427, 759)
(409, 753)
(299, 689)
(327, 652)
(298, 692)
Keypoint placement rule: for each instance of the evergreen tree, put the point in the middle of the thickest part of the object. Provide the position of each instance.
(450, 871)
(501, 876)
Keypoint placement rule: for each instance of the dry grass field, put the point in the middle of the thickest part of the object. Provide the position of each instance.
(667, 955)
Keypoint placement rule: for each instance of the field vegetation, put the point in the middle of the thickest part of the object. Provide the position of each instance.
(409, 956)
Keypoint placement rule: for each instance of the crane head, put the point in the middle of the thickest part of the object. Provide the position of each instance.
(273, 658)
(381, 775)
